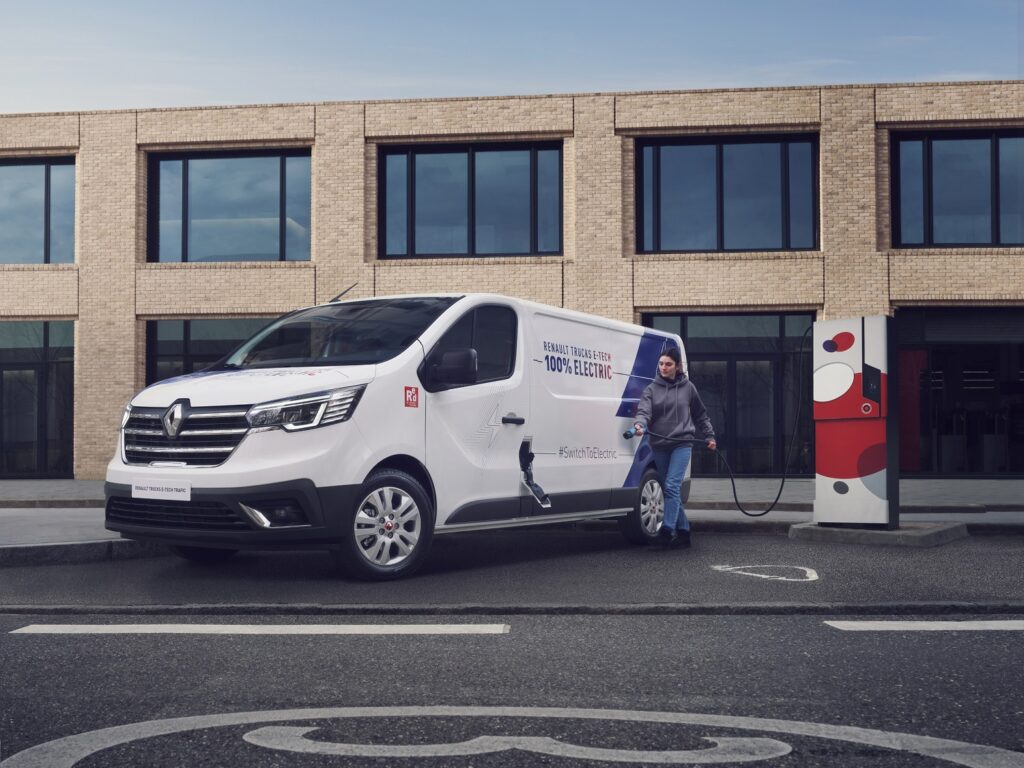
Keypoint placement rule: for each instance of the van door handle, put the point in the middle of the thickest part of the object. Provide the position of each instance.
(512, 419)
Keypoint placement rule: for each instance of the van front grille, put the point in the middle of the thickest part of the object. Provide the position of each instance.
(197, 515)
(206, 438)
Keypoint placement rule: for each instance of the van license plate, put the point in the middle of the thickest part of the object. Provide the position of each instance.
(172, 490)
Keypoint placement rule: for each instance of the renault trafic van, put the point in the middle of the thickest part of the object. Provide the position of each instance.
(367, 427)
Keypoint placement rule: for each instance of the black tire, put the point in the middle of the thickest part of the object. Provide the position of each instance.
(641, 525)
(389, 530)
(204, 555)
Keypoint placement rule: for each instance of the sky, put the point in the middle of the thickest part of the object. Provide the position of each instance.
(108, 54)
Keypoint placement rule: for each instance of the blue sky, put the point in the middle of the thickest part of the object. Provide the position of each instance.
(58, 56)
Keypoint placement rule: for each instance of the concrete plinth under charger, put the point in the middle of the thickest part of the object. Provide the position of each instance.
(907, 535)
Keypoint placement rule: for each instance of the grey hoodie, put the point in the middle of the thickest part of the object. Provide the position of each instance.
(673, 408)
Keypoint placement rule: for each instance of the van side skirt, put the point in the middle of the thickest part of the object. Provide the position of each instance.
(522, 522)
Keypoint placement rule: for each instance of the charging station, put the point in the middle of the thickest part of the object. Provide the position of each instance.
(856, 426)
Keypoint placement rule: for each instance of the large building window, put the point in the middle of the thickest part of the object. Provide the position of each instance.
(750, 375)
(238, 206)
(961, 391)
(958, 189)
(751, 193)
(36, 398)
(37, 211)
(470, 200)
(176, 347)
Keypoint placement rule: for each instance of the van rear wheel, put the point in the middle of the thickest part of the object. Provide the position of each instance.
(390, 529)
(641, 525)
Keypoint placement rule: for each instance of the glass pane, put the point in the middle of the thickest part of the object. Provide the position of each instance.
(396, 205)
(19, 428)
(59, 418)
(297, 208)
(170, 210)
(62, 340)
(752, 195)
(801, 195)
(796, 388)
(688, 199)
(495, 342)
(962, 191)
(166, 369)
(62, 214)
(442, 203)
(729, 334)
(502, 195)
(549, 201)
(22, 197)
(711, 379)
(212, 339)
(668, 323)
(21, 342)
(646, 201)
(1011, 191)
(755, 417)
(170, 337)
(911, 193)
(233, 209)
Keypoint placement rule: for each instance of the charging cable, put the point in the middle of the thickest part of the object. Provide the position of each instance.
(632, 432)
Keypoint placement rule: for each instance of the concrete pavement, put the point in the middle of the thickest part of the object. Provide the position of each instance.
(60, 521)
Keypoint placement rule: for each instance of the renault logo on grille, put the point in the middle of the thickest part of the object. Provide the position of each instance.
(174, 417)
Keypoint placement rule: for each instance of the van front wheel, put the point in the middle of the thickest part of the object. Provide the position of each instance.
(389, 530)
(641, 525)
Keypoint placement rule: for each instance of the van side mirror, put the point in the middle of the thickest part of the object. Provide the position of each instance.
(456, 366)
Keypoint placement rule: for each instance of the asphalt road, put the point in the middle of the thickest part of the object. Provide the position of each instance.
(549, 690)
(559, 569)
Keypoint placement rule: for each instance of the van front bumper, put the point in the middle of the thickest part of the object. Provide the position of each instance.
(217, 517)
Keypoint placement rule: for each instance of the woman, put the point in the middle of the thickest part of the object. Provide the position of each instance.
(671, 410)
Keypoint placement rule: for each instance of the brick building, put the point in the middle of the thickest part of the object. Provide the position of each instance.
(139, 244)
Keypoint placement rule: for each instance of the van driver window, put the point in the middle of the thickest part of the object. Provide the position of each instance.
(491, 331)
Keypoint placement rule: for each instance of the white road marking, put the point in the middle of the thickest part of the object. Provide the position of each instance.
(772, 572)
(725, 750)
(928, 626)
(67, 751)
(264, 629)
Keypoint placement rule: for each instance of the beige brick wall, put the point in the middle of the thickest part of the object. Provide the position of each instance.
(43, 291)
(105, 343)
(775, 107)
(111, 290)
(24, 133)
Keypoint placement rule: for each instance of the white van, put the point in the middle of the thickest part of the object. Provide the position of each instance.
(367, 427)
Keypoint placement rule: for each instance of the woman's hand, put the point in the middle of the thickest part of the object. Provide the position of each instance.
(712, 445)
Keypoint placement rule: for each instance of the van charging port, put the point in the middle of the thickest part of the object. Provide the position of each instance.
(526, 464)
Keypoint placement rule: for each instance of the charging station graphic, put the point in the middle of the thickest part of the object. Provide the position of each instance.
(857, 474)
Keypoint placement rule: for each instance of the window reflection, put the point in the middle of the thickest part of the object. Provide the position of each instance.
(238, 207)
(752, 196)
(442, 203)
(1011, 191)
(962, 191)
(32, 191)
(688, 199)
(502, 195)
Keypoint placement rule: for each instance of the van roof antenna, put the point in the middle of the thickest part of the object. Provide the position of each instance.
(343, 293)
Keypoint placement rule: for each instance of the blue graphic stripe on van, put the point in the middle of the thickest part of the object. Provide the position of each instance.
(645, 366)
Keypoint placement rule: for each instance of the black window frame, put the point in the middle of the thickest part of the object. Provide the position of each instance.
(187, 357)
(411, 150)
(428, 359)
(48, 162)
(783, 139)
(926, 137)
(153, 198)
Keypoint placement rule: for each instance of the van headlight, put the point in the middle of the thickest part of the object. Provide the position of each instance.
(306, 412)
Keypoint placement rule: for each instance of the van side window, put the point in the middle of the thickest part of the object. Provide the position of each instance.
(491, 331)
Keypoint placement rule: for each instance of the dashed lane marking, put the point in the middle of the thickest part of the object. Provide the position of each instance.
(264, 629)
(928, 626)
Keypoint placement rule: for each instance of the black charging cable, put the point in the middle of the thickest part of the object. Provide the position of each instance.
(631, 433)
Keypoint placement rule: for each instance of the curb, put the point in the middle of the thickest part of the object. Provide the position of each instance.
(907, 535)
(78, 552)
(537, 609)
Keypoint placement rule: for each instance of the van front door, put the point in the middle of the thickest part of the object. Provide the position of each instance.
(474, 429)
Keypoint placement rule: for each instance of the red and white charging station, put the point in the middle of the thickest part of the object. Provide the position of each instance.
(855, 422)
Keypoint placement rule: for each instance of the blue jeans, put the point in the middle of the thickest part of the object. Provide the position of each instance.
(672, 464)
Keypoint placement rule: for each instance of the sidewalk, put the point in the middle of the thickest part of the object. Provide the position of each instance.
(61, 521)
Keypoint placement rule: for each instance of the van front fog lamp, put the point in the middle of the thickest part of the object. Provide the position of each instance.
(315, 410)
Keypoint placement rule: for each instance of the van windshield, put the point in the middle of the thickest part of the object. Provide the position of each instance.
(352, 333)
